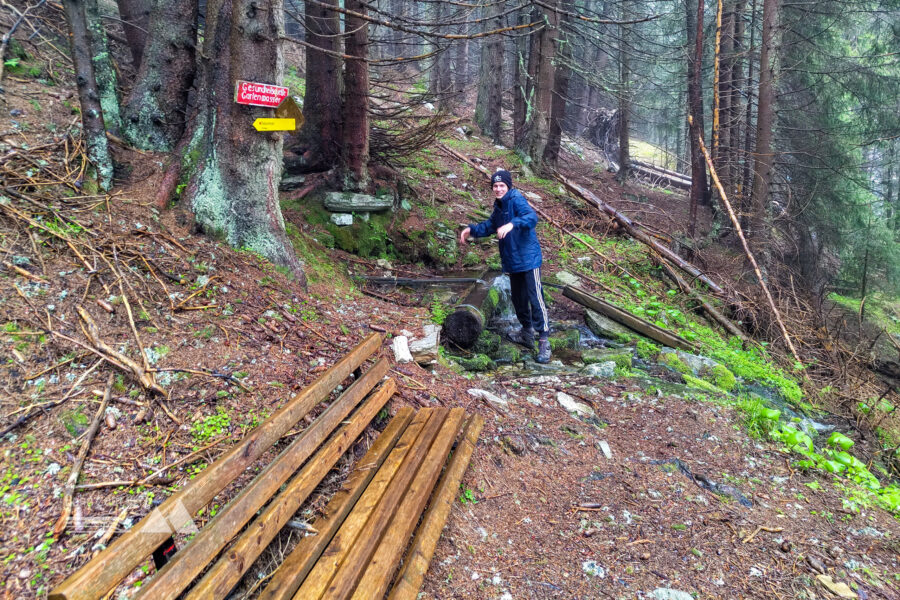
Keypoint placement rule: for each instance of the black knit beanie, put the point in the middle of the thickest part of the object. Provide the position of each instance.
(502, 175)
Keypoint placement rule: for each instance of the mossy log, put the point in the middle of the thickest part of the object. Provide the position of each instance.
(464, 325)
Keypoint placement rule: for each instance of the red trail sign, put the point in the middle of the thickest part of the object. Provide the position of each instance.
(259, 94)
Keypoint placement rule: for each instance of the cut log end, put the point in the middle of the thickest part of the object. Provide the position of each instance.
(463, 326)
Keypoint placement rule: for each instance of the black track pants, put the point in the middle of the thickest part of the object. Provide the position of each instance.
(528, 300)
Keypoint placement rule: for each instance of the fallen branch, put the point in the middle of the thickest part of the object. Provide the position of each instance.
(750, 257)
(226, 376)
(69, 489)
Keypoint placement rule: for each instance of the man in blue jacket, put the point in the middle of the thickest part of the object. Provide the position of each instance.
(514, 221)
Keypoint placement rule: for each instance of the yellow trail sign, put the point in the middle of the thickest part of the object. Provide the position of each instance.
(275, 124)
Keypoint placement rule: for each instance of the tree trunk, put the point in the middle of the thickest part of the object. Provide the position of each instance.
(764, 157)
(747, 176)
(233, 185)
(461, 67)
(543, 52)
(490, 77)
(104, 73)
(355, 153)
(322, 133)
(155, 113)
(135, 15)
(624, 97)
(521, 84)
(733, 118)
(695, 109)
(91, 111)
(559, 99)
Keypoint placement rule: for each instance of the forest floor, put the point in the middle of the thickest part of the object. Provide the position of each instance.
(687, 504)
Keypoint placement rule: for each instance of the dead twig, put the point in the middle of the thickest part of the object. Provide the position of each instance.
(69, 489)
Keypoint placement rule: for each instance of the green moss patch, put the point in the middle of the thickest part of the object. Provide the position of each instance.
(720, 377)
(478, 363)
(670, 359)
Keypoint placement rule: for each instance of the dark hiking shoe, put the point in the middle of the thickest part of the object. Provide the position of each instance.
(523, 336)
(543, 356)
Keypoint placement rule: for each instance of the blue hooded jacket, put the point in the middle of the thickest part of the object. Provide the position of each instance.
(519, 250)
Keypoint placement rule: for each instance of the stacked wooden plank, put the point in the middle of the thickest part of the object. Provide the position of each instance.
(405, 462)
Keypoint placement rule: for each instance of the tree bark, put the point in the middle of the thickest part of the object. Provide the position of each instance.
(624, 97)
(543, 52)
(561, 76)
(135, 15)
(764, 157)
(747, 175)
(490, 77)
(521, 85)
(321, 137)
(355, 153)
(155, 113)
(695, 109)
(91, 110)
(233, 170)
(104, 73)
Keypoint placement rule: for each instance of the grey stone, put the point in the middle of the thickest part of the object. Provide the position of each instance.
(342, 219)
(291, 182)
(670, 594)
(604, 447)
(425, 349)
(400, 345)
(532, 196)
(604, 327)
(566, 278)
(350, 202)
(696, 363)
(515, 444)
(592, 568)
(573, 406)
(493, 399)
(605, 370)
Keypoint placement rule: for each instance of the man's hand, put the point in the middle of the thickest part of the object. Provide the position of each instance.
(464, 235)
(501, 233)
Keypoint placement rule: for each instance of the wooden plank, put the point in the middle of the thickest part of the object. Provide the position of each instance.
(366, 519)
(381, 567)
(178, 574)
(297, 565)
(239, 557)
(415, 565)
(625, 318)
(107, 569)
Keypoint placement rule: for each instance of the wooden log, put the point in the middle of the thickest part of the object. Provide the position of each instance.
(297, 565)
(190, 561)
(464, 325)
(104, 572)
(354, 541)
(228, 570)
(629, 226)
(415, 565)
(378, 570)
(618, 315)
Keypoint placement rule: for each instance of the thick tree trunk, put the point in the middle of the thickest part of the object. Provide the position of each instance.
(695, 109)
(490, 77)
(135, 15)
(355, 153)
(747, 175)
(233, 185)
(104, 73)
(91, 111)
(764, 157)
(155, 113)
(561, 76)
(624, 97)
(732, 123)
(521, 85)
(461, 67)
(322, 133)
(543, 53)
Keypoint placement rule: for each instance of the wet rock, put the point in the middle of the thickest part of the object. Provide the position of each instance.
(605, 449)
(867, 531)
(605, 370)
(348, 202)
(425, 349)
(697, 364)
(532, 197)
(621, 357)
(670, 594)
(494, 400)
(607, 328)
(569, 338)
(573, 406)
(400, 346)
(342, 219)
